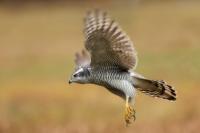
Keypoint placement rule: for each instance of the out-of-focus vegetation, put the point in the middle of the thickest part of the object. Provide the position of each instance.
(37, 46)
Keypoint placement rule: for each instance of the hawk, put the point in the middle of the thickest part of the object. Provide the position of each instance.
(110, 60)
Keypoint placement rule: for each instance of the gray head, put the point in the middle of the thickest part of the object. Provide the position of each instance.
(81, 75)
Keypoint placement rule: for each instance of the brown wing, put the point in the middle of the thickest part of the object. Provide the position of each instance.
(82, 59)
(107, 43)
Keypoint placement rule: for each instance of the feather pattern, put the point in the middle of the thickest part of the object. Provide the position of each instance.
(114, 79)
(155, 88)
(107, 43)
(82, 59)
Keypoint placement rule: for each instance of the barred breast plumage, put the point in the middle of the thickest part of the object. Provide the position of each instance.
(114, 79)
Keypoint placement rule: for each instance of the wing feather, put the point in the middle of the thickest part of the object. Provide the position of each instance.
(82, 59)
(107, 43)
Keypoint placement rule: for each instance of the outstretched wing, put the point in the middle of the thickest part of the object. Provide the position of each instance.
(107, 43)
(82, 59)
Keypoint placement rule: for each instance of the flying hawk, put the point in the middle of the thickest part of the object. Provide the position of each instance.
(111, 62)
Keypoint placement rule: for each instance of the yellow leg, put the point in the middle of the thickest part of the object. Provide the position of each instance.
(129, 113)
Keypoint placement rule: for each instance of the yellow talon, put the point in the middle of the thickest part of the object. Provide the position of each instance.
(129, 114)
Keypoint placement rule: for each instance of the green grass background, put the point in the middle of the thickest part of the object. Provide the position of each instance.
(37, 46)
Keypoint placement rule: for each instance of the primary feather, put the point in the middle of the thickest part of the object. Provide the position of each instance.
(107, 43)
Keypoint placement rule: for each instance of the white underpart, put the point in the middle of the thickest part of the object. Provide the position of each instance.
(134, 74)
(123, 86)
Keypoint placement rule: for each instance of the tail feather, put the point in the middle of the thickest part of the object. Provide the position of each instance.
(155, 88)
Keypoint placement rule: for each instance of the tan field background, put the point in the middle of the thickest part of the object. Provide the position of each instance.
(37, 45)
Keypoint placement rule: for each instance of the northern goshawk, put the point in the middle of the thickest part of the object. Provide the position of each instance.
(110, 60)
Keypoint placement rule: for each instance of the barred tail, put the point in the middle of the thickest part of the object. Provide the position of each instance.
(155, 88)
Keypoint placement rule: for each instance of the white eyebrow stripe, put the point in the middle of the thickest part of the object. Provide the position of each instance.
(79, 70)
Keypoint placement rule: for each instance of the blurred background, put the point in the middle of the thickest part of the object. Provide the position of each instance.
(38, 40)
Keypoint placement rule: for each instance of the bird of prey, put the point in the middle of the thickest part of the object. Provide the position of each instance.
(110, 60)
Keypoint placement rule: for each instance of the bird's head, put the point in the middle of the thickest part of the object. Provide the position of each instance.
(81, 75)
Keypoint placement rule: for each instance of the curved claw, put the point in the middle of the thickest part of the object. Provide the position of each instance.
(129, 115)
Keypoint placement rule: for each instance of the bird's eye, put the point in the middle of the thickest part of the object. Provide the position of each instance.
(75, 75)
